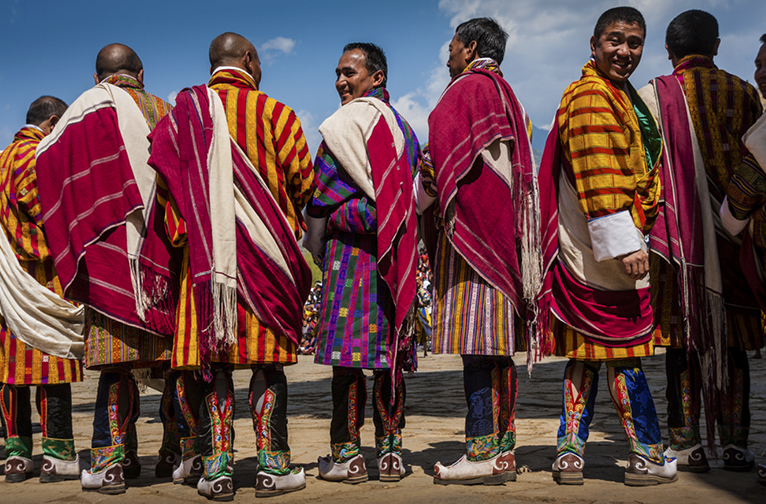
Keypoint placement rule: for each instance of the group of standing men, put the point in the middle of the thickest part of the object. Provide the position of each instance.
(176, 231)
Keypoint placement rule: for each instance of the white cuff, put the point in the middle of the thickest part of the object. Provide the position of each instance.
(314, 240)
(614, 235)
(733, 225)
(422, 199)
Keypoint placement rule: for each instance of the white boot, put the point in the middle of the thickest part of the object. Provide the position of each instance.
(692, 459)
(220, 489)
(59, 470)
(352, 471)
(643, 472)
(109, 480)
(18, 469)
(390, 467)
(188, 471)
(467, 472)
(268, 485)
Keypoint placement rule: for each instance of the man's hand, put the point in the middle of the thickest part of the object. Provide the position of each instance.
(636, 264)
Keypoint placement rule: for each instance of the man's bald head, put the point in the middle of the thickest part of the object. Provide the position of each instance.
(232, 49)
(228, 48)
(117, 59)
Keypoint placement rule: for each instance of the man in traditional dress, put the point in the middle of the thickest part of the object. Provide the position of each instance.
(600, 194)
(369, 153)
(94, 185)
(478, 163)
(27, 356)
(243, 281)
(700, 293)
(760, 70)
(744, 207)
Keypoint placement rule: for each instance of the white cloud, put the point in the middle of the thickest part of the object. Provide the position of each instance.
(279, 44)
(172, 96)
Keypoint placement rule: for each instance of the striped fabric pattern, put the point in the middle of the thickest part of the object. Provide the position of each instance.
(152, 108)
(573, 345)
(722, 107)
(21, 219)
(256, 343)
(602, 141)
(270, 134)
(108, 341)
(470, 316)
(746, 194)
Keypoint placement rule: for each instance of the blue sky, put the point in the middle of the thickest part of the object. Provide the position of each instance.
(49, 47)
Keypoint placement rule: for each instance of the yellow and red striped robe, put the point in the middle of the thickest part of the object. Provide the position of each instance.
(270, 134)
(21, 218)
(601, 138)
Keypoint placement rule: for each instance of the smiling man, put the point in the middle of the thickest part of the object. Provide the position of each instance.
(598, 177)
(366, 161)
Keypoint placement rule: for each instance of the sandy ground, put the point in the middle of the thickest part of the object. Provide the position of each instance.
(435, 415)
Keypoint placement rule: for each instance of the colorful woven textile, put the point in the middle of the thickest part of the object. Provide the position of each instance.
(608, 147)
(480, 299)
(88, 188)
(21, 220)
(274, 295)
(358, 312)
(470, 316)
(270, 134)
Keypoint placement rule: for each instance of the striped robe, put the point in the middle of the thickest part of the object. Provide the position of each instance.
(722, 108)
(271, 136)
(109, 341)
(603, 144)
(354, 329)
(21, 219)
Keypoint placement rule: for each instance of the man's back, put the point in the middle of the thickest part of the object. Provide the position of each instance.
(270, 134)
(722, 108)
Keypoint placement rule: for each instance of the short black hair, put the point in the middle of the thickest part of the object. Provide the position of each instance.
(374, 58)
(692, 32)
(44, 108)
(489, 36)
(628, 15)
(763, 38)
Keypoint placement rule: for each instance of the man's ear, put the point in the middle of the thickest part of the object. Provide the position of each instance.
(471, 52)
(378, 78)
(95, 79)
(140, 76)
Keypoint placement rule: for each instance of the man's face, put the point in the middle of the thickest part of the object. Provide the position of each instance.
(460, 56)
(618, 50)
(760, 70)
(352, 80)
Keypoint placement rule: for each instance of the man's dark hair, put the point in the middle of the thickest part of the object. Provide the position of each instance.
(374, 58)
(628, 15)
(116, 58)
(489, 36)
(763, 38)
(692, 32)
(43, 108)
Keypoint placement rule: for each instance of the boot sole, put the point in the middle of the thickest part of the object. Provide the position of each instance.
(16, 478)
(219, 498)
(743, 468)
(568, 478)
(188, 480)
(498, 479)
(274, 493)
(55, 478)
(355, 480)
(108, 489)
(647, 479)
(390, 478)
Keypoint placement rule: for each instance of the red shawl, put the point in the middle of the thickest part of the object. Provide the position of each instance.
(179, 154)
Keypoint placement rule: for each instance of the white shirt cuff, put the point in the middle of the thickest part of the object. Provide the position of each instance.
(733, 225)
(614, 235)
(422, 199)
